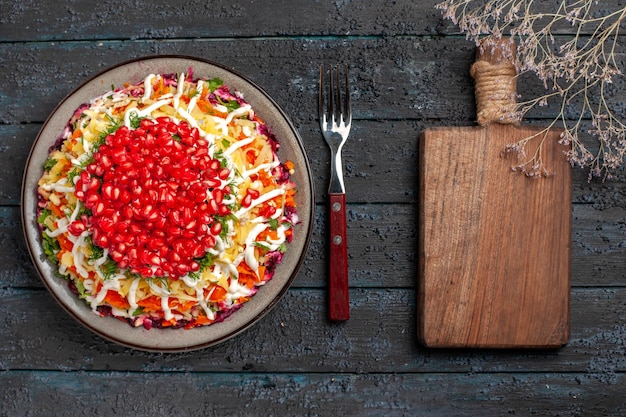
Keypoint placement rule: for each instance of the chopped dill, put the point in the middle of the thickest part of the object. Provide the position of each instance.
(109, 268)
(50, 163)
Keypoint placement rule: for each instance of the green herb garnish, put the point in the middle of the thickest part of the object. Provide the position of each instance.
(108, 268)
(231, 105)
(50, 163)
(74, 172)
(273, 223)
(214, 84)
(43, 216)
(135, 120)
(50, 248)
(80, 288)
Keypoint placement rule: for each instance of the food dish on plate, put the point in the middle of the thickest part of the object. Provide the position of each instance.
(164, 203)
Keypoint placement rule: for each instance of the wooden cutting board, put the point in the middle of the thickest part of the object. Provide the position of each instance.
(494, 244)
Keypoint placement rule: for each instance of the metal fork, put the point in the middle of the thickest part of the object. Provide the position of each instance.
(335, 121)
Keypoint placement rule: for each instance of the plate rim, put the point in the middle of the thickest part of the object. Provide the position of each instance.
(308, 230)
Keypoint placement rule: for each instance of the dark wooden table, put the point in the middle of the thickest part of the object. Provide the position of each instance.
(409, 71)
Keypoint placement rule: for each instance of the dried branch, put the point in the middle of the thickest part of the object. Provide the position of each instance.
(575, 70)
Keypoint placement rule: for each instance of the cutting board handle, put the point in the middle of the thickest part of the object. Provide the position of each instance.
(495, 81)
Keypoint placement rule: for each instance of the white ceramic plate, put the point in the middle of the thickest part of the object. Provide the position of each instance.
(171, 340)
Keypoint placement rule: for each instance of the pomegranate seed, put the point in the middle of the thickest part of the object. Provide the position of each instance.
(106, 224)
(107, 190)
(208, 242)
(213, 207)
(94, 184)
(174, 231)
(216, 228)
(212, 183)
(218, 195)
(152, 197)
(116, 256)
(199, 152)
(106, 162)
(76, 227)
(174, 217)
(174, 257)
(124, 197)
(268, 211)
(163, 251)
(127, 212)
(99, 208)
(224, 173)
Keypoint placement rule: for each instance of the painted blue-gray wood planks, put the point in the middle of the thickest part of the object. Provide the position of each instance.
(410, 70)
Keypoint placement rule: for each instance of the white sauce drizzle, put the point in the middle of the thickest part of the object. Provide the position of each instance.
(60, 186)
(147, 87)
(132, 295)
(240, 143)
(262, 167)
(249, 250)
(200, 297)
(236, 290)
(263, 198)
(78, 255)
(143, 112)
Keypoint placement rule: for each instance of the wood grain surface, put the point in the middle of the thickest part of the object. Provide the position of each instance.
(494, 244)
(409, 72)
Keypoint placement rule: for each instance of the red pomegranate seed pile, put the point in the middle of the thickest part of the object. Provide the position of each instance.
(155, 197)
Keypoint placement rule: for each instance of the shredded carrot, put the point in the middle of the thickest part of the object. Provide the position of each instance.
(151, 303)
(204, 106)
(168, 323)
(248, 277)
(182, 307)
(217, 294)
(77, 133)
(265, 178)
(65, 243)
(159, 88)
(116, 300)
(202, 319)
(56, 210)
(268, 233)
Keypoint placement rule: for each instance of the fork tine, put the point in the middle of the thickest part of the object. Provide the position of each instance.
(347, 114)
(335, 87)
(320, 104)
(332, 97)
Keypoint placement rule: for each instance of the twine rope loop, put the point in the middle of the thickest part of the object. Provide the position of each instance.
(495, 89)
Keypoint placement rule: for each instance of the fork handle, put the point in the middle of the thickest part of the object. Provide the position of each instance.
(339, 299)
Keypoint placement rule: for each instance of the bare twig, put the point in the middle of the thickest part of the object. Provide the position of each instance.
(575, 70)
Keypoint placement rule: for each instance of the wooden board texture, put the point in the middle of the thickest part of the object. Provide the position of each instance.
(494, 244)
